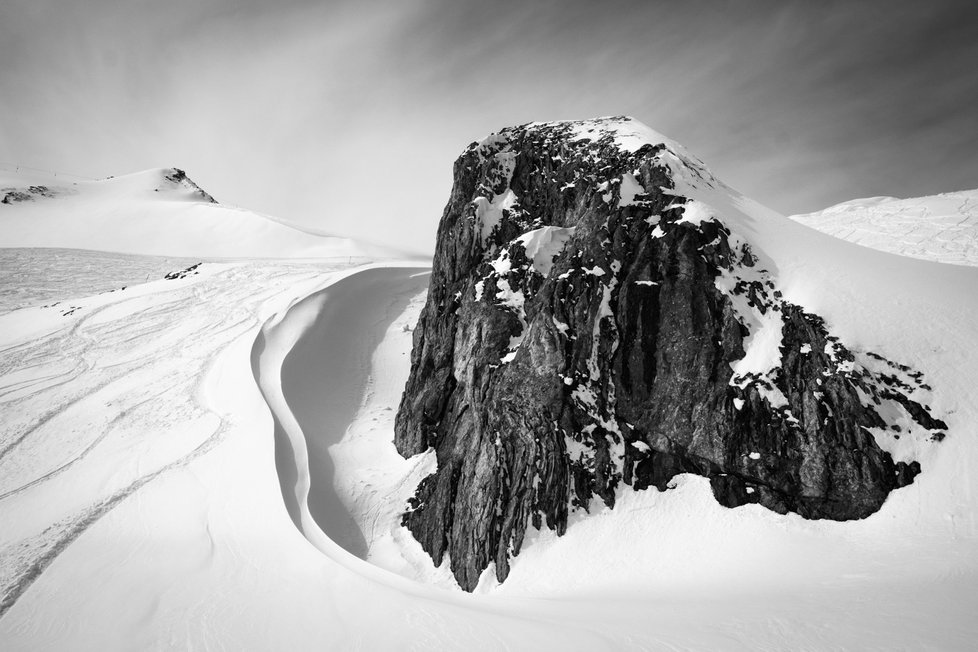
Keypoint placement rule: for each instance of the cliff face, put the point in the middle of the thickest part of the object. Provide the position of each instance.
(590, 325)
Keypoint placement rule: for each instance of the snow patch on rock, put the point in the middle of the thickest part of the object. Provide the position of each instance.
(544, 244)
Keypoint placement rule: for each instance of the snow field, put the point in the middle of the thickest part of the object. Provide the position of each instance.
(941, 227)
(193, 463)
(151, 213)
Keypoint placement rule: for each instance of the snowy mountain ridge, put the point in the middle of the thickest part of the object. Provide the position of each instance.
(942, 228)
(158, 212)
(17, 186)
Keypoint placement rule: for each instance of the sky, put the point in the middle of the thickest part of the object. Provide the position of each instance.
(346, 117)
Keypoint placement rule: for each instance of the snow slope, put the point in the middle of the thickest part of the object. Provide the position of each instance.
(36, 276)
(161, 443)
(914, 560)
(156, 212)
(942, 228)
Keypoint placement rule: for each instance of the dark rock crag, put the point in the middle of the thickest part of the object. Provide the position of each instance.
(582, 330)
(177, 177)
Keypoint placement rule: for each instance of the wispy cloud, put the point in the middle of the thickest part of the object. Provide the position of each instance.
(347, 115)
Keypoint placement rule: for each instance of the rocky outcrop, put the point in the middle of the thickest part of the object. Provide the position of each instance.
(588, 325)
(175, 177)
(13, 195)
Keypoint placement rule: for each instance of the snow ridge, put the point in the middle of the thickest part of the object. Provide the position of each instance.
(942, 228)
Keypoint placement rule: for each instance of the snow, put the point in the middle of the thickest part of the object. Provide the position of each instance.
(630, 187)
(544, 244)
(629, 134)
(502, 264)
(35, 276)
(940, 227)
(507, 296)
(161, 443)
(762, 345)
(146, 213)
(355, 502)
(489, 213)
(695, 213)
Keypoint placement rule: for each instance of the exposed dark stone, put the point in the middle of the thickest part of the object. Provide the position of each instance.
(183, 273)
(177, 176)
(12, 195)
(541, 391)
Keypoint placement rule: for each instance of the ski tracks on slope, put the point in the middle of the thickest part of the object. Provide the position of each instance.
(98, 408)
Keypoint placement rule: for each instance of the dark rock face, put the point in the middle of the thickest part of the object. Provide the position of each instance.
(584, 327)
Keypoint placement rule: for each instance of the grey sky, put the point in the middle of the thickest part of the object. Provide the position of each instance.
(347, 116)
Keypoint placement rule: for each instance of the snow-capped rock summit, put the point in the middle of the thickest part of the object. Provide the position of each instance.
(177, 179)
(604, 312)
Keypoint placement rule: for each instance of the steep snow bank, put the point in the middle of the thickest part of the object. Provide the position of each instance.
(312, 366)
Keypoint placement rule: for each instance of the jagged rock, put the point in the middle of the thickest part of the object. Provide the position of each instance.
(177, 177)
(183, 273)
(587, 325)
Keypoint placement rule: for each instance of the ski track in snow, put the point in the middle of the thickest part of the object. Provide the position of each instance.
(36, 276)
(145, 508)
(108, 388)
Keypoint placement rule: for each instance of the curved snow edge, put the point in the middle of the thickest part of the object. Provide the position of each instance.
(275, 340)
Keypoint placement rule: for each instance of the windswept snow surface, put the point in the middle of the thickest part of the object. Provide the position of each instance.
(160, 444)
(940, 227)
(32, 277)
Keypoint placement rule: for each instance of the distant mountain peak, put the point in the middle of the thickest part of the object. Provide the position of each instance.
(159, 211)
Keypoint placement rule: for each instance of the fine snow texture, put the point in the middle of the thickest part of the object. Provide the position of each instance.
(941, 227)
(148, 435)
(36, 276)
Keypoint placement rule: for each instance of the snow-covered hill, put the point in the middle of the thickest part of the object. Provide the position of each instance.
(160, 444)
(157, 212)
(942, 228)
